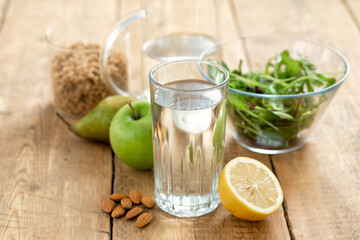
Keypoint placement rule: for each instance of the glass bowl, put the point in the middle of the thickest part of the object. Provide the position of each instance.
(273, 124)
(74, 53)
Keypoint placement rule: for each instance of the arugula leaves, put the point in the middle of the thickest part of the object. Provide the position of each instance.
(275, 123)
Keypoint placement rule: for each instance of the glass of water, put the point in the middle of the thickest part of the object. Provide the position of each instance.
(188, 105)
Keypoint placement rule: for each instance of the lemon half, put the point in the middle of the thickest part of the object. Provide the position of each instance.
(249, 190)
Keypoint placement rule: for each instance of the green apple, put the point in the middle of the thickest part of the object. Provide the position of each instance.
(131, 135)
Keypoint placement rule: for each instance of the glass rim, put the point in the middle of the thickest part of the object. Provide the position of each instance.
(320, 44)
(52, 43)
(184, 61)
(48, 33)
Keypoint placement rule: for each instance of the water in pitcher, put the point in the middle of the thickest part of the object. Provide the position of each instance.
(187, 151)
(177, 46)
(174, 47)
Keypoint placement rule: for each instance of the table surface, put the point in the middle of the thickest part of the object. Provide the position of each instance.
(52, 183)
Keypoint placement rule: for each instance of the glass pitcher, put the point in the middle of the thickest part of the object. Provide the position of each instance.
(169, 30)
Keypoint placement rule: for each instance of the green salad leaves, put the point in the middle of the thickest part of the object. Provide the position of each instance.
(276, 123)
(283, 76)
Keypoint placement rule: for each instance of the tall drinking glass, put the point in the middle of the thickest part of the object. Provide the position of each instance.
(188, 105)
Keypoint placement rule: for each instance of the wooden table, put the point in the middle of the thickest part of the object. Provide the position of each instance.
(52, 183)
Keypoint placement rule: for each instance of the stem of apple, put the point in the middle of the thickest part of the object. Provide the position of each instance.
(136, 116)
(63, 119)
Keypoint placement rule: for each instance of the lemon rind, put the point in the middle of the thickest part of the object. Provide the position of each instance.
(268, 210)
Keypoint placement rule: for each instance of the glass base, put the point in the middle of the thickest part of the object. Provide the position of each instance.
(266, 151)
(189, 205)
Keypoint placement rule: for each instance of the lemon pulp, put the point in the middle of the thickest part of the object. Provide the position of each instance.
(249, 190)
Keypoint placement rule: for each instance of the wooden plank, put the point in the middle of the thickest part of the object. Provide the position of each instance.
(320, 181)
(51, 182)
(219, 224)
(4, 4)
(49, 188)
(353, 8)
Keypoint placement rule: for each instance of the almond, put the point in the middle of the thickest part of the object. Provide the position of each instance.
(108, 205)
(118, 212)
(147, 202)
(143, 219)
(117, 196)
(126, 203)
(134, 212)
(135, 196)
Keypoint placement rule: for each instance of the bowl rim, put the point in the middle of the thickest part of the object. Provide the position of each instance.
(292, 37)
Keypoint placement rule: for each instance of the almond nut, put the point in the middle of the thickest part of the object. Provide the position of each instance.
(108, 205)
(134, 212)
(147, 202)
(135, 196)
(117, 196)
(126, 203)
(143, 219)
(118, 212)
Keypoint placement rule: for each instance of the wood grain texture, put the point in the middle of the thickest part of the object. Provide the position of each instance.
(4, 6)
(219, 224)
(353, 8)
(49, 189)
(51, 182)
(321, 181)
